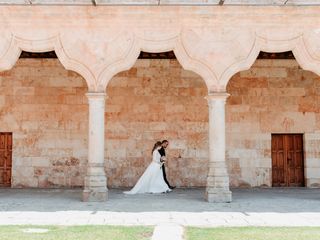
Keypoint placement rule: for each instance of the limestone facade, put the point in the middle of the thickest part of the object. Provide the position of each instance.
(45, 107)
(156, 100)
(273, 96)
(212, 41)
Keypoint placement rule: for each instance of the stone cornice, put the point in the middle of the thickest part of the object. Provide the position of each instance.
(165, 2)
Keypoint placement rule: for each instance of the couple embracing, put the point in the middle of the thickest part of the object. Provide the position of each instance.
(154, 179)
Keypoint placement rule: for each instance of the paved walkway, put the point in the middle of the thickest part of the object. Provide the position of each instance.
(168, 231)
(185, 207)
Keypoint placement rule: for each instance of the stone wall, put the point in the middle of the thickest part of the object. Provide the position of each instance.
(156, 100)
(274, 96)
(45, 107)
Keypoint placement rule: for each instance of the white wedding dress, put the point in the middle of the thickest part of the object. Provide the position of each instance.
(151, 180)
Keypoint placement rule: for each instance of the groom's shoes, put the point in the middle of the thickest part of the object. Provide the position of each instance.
(172, 187)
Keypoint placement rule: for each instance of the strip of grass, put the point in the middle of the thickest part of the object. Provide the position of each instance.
(76, 233)
(253, 233)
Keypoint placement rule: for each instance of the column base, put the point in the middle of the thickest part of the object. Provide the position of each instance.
(95, 186)
(94, 195)
(219, 196)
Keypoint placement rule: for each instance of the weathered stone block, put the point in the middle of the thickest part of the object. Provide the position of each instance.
(218, 196)
(313, 182)
(312, 172)
(40, 162)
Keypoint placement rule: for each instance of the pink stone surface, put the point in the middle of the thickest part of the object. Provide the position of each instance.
(214, 53)
(155, 100)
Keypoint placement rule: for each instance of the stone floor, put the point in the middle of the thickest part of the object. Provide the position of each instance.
(187, 207)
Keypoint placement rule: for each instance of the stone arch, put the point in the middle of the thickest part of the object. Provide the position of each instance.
(14, 45)
(173, 43)
(304, 46)
(295, 42)
(263, 95)
(132, 125)
(44, 102)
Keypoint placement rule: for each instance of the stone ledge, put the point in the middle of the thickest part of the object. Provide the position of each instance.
(164, 2)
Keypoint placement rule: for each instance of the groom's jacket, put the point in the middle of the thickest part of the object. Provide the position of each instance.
(162, 152)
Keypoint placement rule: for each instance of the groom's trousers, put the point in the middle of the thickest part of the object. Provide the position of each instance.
(165, 176)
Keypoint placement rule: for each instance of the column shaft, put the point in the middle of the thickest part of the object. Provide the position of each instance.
(95, 184)
(217, 189)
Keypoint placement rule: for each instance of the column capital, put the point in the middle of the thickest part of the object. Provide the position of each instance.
(217, 96)
(96, 95)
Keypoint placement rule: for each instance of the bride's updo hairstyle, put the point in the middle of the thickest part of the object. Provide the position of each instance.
(157, 144)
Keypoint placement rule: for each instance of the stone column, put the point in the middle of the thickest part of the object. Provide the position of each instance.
(95, 184)
(217, 189)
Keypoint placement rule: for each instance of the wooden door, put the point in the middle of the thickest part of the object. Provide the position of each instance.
(287, 160)
(5, 159)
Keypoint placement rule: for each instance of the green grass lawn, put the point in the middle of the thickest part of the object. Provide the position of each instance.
(75, 233)
(253, 233)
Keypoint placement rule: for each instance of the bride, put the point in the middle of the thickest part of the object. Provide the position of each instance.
(152, 180)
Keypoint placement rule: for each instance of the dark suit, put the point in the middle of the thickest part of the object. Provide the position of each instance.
(162, 152)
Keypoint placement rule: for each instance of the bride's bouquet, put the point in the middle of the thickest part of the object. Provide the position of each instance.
(163, 160)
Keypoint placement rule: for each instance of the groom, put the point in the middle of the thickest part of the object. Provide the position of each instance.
(162, 151)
